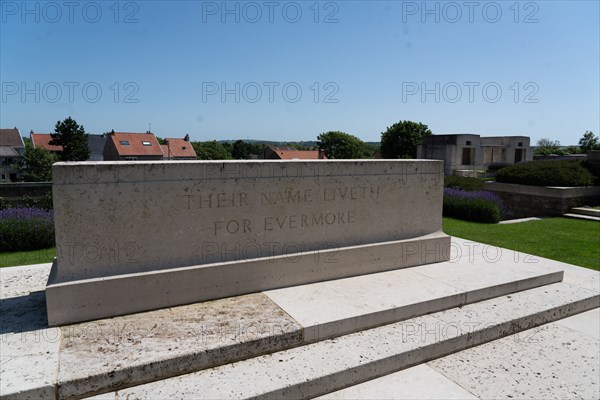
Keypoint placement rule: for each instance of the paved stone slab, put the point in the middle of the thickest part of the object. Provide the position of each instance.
(122, 351)
(583, 217)
(28, 348)
(549, 362)
(327, 366)
(587, 323)
(139, 348)
(343, 306)
(586, 210)
(416, 383)
(135, 340)
(582, 277)
(518, 220)
(544, 362)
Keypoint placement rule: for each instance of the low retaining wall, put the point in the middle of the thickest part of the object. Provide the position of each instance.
(136, 236)
(543, 201)
(18, 190)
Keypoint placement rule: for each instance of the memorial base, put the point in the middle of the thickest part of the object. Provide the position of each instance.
(89, 299)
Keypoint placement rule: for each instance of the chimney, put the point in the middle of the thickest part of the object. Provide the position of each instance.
(187, 138)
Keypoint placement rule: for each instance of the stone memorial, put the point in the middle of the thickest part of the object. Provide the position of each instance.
(137, 236)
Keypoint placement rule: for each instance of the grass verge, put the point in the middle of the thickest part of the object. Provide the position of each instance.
(567, 240)
(27, 257)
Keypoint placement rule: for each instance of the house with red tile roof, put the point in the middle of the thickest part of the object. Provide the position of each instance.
(178, 149)
(43, 140)
(11, 150)
(126, 146)
(95, 143)
(290, 153)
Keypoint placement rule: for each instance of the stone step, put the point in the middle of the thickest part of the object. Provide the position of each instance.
(327, 366)
(526, 365)
(586, 211)
(110, 354)
(319, 311)
(582, 216)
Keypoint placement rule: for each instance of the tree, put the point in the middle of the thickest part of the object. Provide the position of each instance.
(36, 164)
(73, 139)
(340, 145)
(401, 139)
(546, 147)
(211, 151)
(588, 142)
(242, 150)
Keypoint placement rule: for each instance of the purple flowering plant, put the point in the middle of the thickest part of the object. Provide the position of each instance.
(478, 206)
(26, 228)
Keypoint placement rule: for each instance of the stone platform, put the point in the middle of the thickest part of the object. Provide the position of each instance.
(345, 338)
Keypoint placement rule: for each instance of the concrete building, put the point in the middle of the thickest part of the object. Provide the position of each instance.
(11, 149)
(471, 155)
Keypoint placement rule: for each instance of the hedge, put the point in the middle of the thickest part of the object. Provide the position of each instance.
(476, 206)
(463, 182)
(548, 173)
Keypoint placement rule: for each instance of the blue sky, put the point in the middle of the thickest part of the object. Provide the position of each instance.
(290, 70)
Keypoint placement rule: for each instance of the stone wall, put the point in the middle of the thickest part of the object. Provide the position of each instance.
(537, 201)
(134, 236)
(18, 190)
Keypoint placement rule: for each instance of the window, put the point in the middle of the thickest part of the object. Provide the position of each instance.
(147, 143)
(468, 142)
(131, 158)
(520, 144)
(124, 142)
(183, 147)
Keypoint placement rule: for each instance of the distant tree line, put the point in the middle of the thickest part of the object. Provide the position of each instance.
(587, 142)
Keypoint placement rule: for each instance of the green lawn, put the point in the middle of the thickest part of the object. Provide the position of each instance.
(568, 240)
(27, 257)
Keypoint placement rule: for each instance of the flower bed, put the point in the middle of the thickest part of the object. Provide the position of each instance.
(477, 206)
(24, 229)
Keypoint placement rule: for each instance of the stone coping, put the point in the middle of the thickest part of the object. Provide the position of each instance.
(547, 191)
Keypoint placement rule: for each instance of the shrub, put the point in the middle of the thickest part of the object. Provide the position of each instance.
(494, 167)
(44, 202)
(477, 206)
(463, 182)
(23, 229)
(548, 173)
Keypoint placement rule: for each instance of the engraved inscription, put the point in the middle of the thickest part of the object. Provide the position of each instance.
(351, 193)
(216, 200)
(285, 197)
(309, 220)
